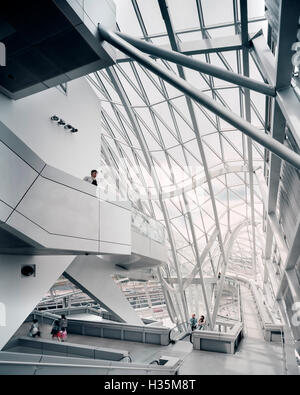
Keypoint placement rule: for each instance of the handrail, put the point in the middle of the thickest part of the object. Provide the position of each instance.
(283, 352)
(51, 364)
(177, 326)
(153, 362)
(126, 356)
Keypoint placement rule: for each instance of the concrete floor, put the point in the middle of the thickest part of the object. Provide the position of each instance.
(255, 355)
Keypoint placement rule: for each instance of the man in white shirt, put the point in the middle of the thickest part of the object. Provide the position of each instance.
(92, 177)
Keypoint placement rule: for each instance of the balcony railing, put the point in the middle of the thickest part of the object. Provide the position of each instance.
(147, 226)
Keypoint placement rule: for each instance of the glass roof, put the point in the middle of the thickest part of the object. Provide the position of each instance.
(146, 120)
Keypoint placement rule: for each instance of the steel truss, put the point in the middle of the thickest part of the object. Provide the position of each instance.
(196, 228)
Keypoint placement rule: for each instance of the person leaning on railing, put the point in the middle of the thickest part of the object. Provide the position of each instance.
(92, 178)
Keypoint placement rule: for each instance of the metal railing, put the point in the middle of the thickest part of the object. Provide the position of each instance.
(82, 366)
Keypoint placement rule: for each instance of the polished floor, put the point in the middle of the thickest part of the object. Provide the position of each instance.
(255, 355)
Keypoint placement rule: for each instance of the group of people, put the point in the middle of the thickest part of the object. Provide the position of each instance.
(58, 330)
(197, 324)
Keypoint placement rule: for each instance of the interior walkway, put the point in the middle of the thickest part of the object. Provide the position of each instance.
(255, 355)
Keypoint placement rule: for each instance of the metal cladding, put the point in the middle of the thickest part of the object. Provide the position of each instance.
(51, 42)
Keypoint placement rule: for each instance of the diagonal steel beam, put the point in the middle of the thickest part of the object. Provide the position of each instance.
(198, 65)
(205, 46)
(198, 261)
(175, 46)
(140, 137)
(201, 258)
(245, 57)
(195, 94)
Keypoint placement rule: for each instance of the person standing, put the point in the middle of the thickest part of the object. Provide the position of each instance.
(92, 178)
(193, 322)
(55, 330)
(63, 324)
(201, 322)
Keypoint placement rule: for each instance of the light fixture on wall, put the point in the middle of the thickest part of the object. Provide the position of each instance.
(28, 270)
(61, 122)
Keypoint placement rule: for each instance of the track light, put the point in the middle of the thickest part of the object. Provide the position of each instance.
(28, 270)
(61, 122)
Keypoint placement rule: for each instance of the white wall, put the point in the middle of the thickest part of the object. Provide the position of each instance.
(29, 119)
(19, 295)
(94, 276)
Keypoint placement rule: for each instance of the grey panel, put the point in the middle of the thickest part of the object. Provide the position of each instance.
(33, 232)
(48, 40)
(21, 370)
(63, 371)
(215, 345)
(153, 338)
(112, 333)
(288, 195)
(5, 211)
(114, 248)
(80, 352)
(61, 210)
(90, 330)
(40, 238)
(28, 343)
(26, 350)
(13, 188)
(135, 336)
(109, 356)
(75, 328)
(16, 145)
(61, 177)
(115, 223)
(10, 356)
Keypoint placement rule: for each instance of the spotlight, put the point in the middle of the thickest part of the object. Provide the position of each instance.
(28, 270)
(54, 118)
(73, 130)
(61, 122)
